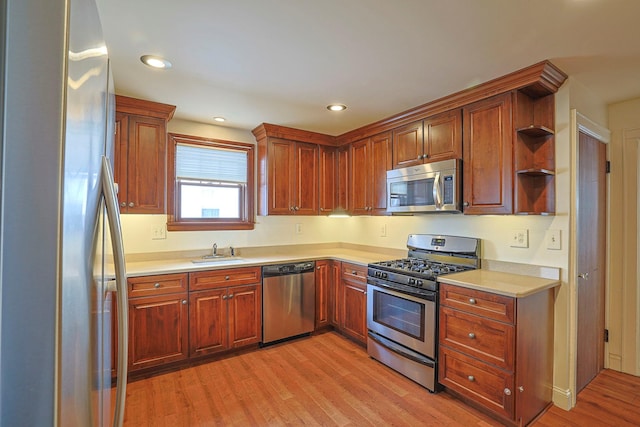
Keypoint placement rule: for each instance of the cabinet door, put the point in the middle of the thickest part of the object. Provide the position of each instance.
(335, 294)
(208, 331)
(323, 278)
(146, 165)
(281, 167)
(408, 146)
(354, 313)
(121, 139)
(342, 179)
(359, 192)
(443, 136)
(328, 181)
(381, 154)
(306, 185)
(488, 163)
(158, 328)
(245, 315)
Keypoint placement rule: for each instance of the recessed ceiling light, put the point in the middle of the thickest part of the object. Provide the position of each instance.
(336, 107)
(155, 62)
(219, 119)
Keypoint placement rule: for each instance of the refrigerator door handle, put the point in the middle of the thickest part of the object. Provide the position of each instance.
(113, 217)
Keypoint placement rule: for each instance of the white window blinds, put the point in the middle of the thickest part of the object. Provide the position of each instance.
(210, 164)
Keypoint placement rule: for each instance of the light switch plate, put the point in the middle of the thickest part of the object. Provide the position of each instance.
(158, 232)
(383, 230)
(520, 238)
(552, 237)
(298, 228)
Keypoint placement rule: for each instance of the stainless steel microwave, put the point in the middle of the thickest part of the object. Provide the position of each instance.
(431, 187)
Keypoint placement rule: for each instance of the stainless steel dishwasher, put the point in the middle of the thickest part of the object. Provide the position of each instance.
(288, 300)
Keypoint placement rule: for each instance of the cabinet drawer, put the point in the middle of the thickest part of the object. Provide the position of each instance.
(354, 272)
(487, 385)
(485, 304)
(157, 285)
(486, 339)
(223, 278)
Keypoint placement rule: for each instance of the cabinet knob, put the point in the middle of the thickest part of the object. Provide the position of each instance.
(465, 204)
(584, 276)
(355, 273)
(507, 392)
(291, 208)
(224, 296)
(472, 335)
(521, 389)
(472, 300)
(226, 277)
(295, 208)
(131, 204)
(317, 268)
(230, 296)
(123, 204)
(471, 378)
(184, 301)
(156, 285)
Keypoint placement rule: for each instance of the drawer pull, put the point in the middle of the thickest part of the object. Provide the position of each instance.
(471, 378)
(224, 296)
(355, 273)
(226, 277)
(156, 285)
(184, 301)
(472, 300)
(472, 336)
(507, 392)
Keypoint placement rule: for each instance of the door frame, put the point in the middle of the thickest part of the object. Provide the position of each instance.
(580, 123)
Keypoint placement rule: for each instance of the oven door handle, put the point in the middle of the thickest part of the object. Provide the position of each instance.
(396, 348)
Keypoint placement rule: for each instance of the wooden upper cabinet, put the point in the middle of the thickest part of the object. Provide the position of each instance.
(443, 136)
(307, 179)
(293, 177)
(140, 156)
(408, 145)
(433, 139)
(488, 156)
(342, 178)
(328, 179)
(370, 161)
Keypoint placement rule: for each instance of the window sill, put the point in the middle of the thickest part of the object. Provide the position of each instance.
(203, 226)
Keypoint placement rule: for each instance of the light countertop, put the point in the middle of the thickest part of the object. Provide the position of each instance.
(507, 284)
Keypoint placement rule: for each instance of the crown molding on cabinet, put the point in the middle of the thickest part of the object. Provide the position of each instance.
(125, 104)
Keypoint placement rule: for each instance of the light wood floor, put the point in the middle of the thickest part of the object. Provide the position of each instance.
(327, 380)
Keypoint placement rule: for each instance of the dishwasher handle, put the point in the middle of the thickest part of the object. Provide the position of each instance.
(287, 269)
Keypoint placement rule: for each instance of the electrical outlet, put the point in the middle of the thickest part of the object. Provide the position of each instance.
(520, 238)
(383, 230)
(158, 232)
(298, 228)
(552, 237)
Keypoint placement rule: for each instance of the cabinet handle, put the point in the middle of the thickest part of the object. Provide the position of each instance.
(465, 204)
(472, 335)
(472, 301)
(355, 273)
(230, 296)
(123, 204)
(584, 276)
(291, 208)
(425, 156)
(507, 392)
(521, 389)
(317, 268)
(226, 277)
(224, 296)
(131, 204)
(156, 285)
(184, 301)
(295, 208)
(471, 378)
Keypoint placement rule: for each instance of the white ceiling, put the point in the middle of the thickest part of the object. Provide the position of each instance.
(283, 61)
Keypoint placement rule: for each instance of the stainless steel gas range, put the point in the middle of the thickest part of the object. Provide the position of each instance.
(402, 303)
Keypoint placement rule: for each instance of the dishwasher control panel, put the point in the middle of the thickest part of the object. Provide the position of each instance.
(282, 269)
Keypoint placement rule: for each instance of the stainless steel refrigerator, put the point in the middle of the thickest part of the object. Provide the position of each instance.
(60, 243)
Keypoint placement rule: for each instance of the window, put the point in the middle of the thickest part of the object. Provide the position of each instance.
(210, 184)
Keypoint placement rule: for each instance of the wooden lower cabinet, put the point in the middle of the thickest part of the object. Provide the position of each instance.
(323, 283)
(496, 352)
(158, 330)
(224, 317)
(353, 302)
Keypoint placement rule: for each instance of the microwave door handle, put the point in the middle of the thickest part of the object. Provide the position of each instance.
(437, 196)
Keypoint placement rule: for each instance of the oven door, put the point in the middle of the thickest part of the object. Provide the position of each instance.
(406, 319)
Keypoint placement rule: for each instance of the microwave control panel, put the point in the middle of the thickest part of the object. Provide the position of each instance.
(448, 190)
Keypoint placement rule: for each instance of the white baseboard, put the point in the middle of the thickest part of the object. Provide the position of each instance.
(562, 398)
